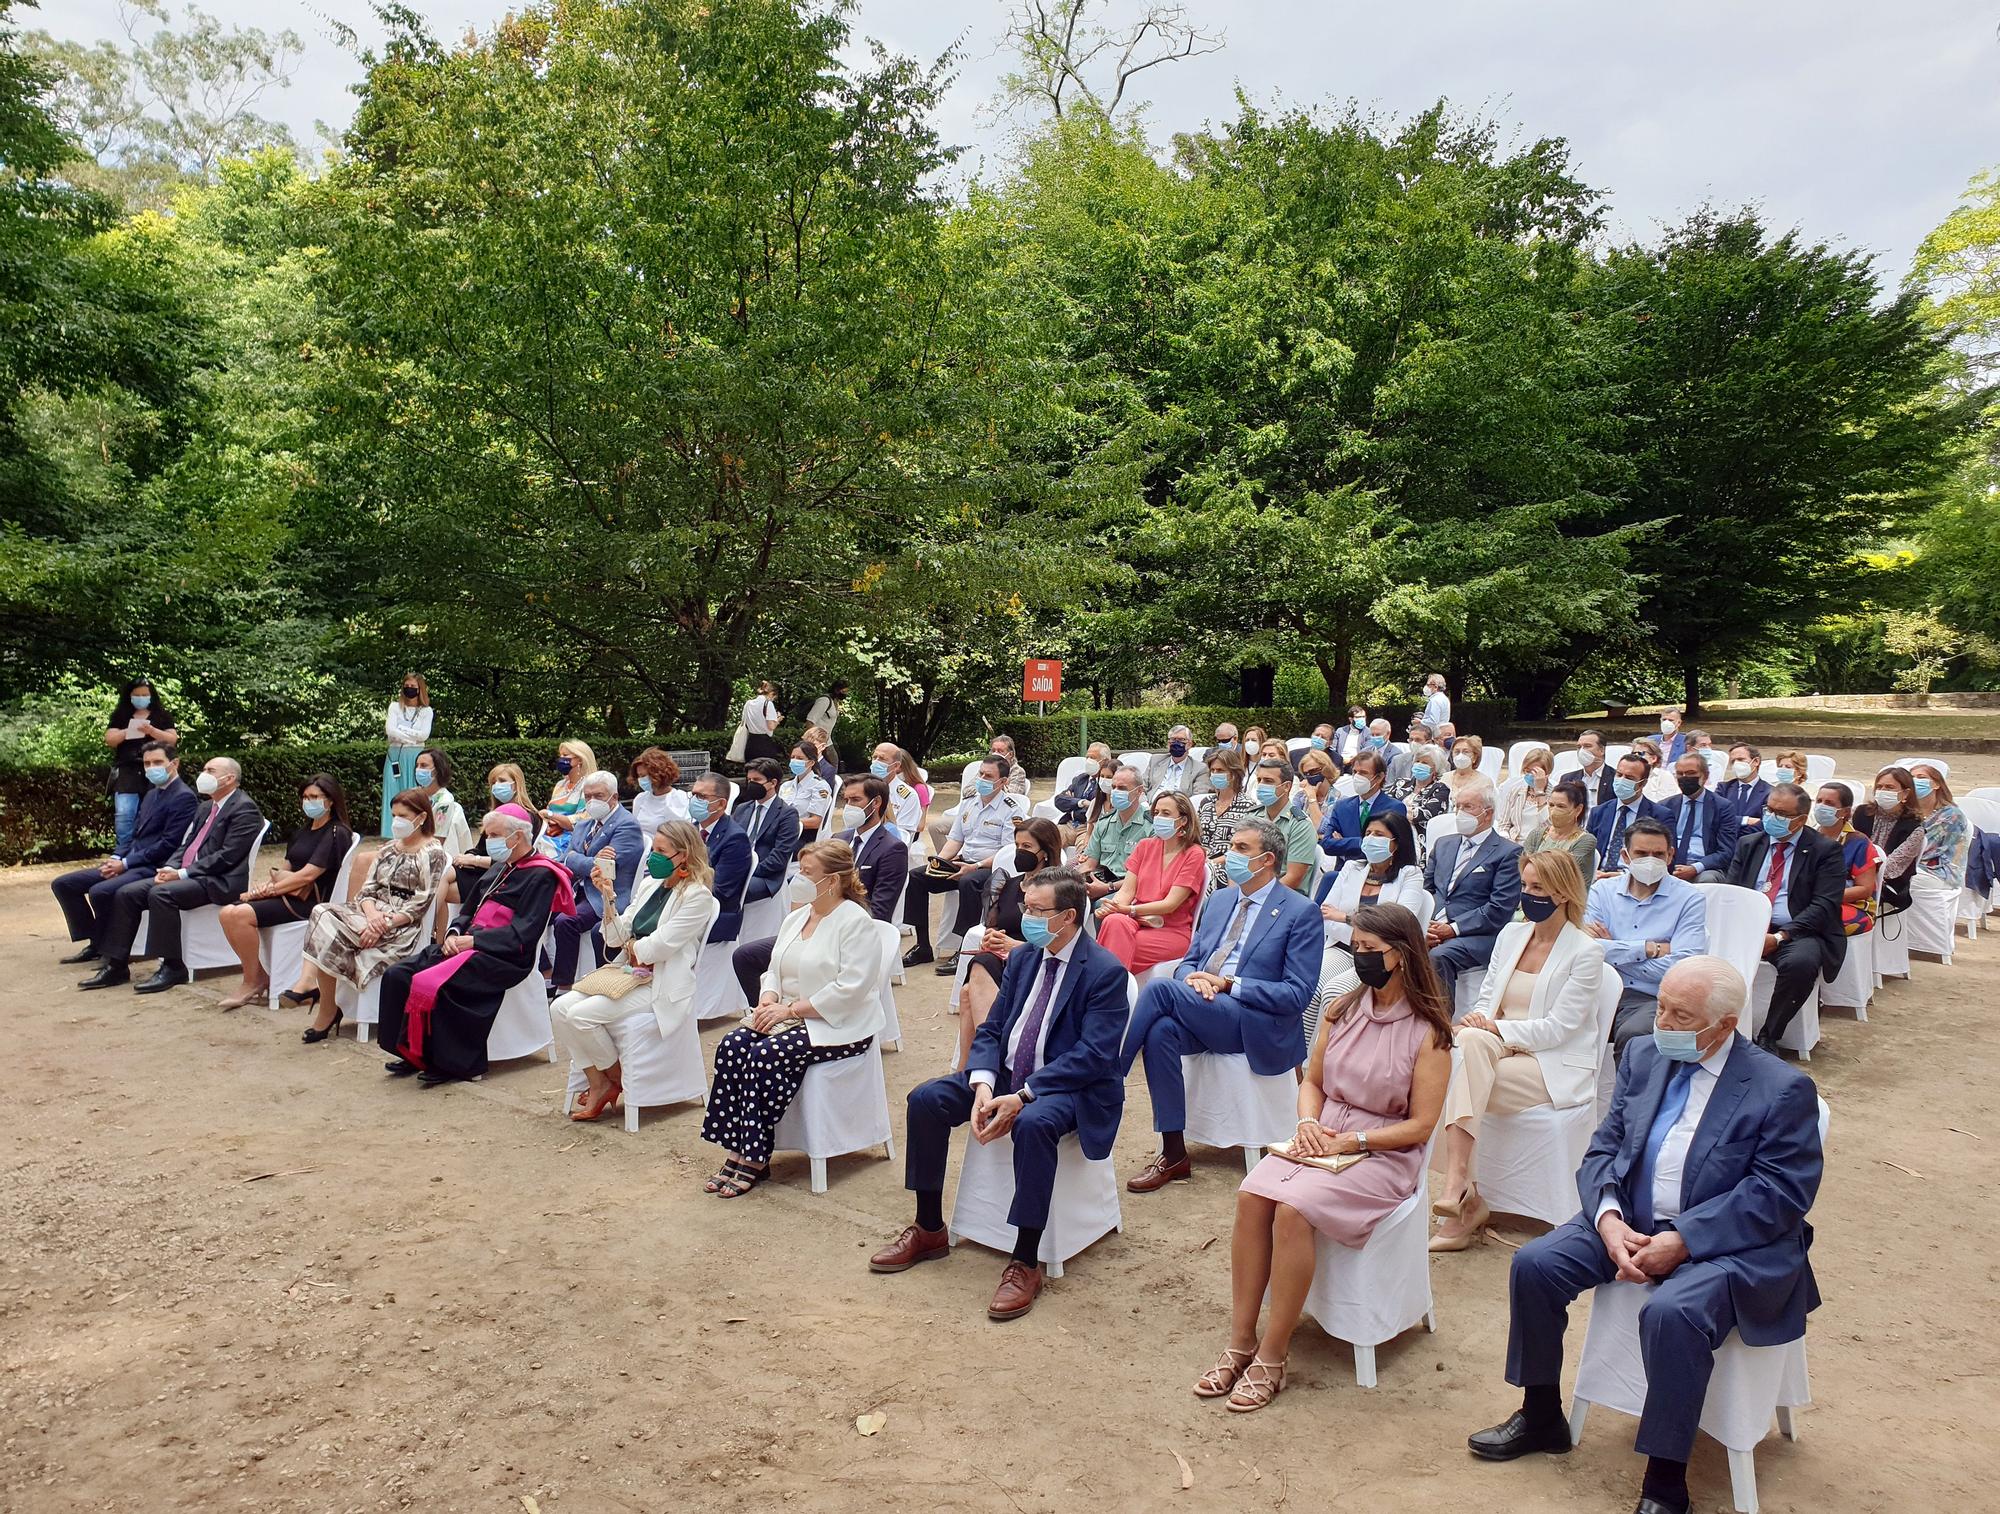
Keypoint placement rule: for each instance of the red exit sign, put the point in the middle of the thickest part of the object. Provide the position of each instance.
(1041, 681)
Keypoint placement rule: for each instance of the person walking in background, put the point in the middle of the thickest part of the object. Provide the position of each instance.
(136, 719)
(825, 714)
(408, 728)
(1437, 703)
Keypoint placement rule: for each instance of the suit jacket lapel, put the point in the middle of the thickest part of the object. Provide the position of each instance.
(1507, 956)
(1645, 1109)
(1730, 1086)
(1555, 970)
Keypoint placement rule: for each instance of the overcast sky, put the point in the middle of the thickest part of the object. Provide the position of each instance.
(1858, 121)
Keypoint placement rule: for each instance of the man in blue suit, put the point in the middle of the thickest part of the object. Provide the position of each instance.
(772, 826)
(1673, 740)
(1340, 834)
(1698, 1182)
(728, 851)
(1044, 1063)
(85, 894)
(1243, 986)
(1740, 784)
(605, 826)
(1475, 877)
(1704, 826)
(1628, 802)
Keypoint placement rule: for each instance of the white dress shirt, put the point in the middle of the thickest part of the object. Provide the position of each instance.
(1670, 1167)
(981, 1077)
(1463, 862)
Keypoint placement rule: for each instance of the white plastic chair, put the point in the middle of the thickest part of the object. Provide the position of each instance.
(1229, 1105)
(1936, 762)
(1295, 745)
(841, 1106)
(1749, 1385)
(1855, 984)
(1614, 752)
(1373, 1295)
(1047, 810)
(1527, 1162)
(971, 773)
(1768, 771)
(1819, 768)
(1715, 761)
(521, 1028)
(1069, 768)
(1567, 761)
(1489, 762)
(1992, 794)
(890, 1037)
(1083, 1205)
(1135, 760)
(1738, 919)
(203, 944)
(1802, 1035)
(1516, 750)
(1438, 827)
(283, 947)
(1930, 924)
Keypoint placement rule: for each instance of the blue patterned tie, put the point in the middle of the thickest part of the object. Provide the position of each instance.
(1672, 1103)
(1031, 1030)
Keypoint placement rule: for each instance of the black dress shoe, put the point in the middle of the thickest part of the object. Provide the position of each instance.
(165, 978)
(429, 1079)
(916, 956)
(88, 954)
(1654, 1506)
(110, 975)
(1518, 1436)
(399, 1068)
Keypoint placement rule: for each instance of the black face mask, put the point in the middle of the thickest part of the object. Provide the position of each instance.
(1177, 749)
(1025, 861)
(756, 793)
(1537, 906)
(1372, 968)
(409, 691)
(1690, 786)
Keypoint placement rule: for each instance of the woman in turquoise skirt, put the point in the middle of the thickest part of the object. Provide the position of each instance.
(408, 727)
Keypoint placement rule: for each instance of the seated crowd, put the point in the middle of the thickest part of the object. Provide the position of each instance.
(1417, 950)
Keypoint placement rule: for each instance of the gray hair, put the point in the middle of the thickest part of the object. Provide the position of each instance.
(506, 825)
(1269, 837)
(717, 786)
(1429, 752)
(227, 765)
(1125, 769)
(1378, 726)
(1179, 730)
(602, 781)
(1710, 983)
(1478, 795)
(1794, 793)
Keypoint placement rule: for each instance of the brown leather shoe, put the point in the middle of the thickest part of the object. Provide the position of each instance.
(909, 1248)
(1020, 1285)
(1159, 1172)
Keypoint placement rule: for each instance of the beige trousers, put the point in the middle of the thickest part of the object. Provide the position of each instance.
(1491, 1080)
(578, 1022)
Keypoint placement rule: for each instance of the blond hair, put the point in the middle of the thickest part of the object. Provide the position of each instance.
(583, 758)
(836, 861)
(1561, 879)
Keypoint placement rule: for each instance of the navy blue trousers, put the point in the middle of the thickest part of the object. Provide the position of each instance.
(939, 1107)
(1171, 1022)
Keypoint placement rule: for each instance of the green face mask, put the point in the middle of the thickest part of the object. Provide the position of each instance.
(660, 865)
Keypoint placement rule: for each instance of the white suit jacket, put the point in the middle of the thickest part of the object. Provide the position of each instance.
(1560, 1027)
(1405, 888)
(670, 950)
(837, 967)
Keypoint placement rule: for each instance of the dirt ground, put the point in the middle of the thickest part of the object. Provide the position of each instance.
(240, 1272)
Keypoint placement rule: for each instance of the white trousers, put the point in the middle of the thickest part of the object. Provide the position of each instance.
(579, 1021)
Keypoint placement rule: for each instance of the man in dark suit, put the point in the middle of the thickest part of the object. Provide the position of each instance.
(1242, 987)
(1705, 827)
(1740, 784)
(604, 826)
(772, 826)
(1802, 874)
(211, 866)
(1697, 1182)
(1476, 880)
(1044, 1063)
(1628, 802)
(1073, 803)
(1595, 775)
(728, 851)
(1340, 834)
(85, 894)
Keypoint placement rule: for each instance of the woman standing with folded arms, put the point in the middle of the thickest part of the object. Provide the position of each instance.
(408, 727)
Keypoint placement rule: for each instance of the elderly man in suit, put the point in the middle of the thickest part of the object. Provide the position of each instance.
(1705, 826)
(1628, 802)
(1418, 734)
(210, 866)
(1696, 1185)
(606, 834)
(1475, 877)
(1043, 1064)
(86, 894)
(1801, 872)
(1176, 769)
(1242, 987)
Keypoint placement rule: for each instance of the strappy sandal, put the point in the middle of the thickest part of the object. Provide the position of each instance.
(1219, 1379)
(741, 1181)
(1254, 1391)
(723, 1175)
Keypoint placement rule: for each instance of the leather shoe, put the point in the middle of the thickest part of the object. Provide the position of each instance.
(1020, 1285)
(162, 980)
(1159, 1172)
(1517, 1436)
(109, 975)
(1654, 1506)
(88, 954)
(909, 1248)
(916, 956)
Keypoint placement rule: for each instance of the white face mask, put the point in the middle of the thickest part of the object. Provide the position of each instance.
(1743, 770)
(1647, 870)
(801, 890)
(1888, 799)
(852, 817)
(401, 826)
(207, 783)
(1467, 822)
(597, 809)
(1461, 760)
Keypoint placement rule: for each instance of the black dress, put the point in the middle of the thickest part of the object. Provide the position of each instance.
(454, 1038)
(1003, 915)
(325, 848)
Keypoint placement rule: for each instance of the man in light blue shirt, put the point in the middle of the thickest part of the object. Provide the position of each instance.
(1648, 920)
(1437, 703)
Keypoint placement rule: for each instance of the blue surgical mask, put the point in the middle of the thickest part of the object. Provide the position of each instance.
(798, 767)
(314, 808)
(498, 849)
(1121, 800)
(1267, 794)
(1218, 781)
(1677, 1045)
(159, 777)
(1624, 787)
(503, 791)
(983, 787)
(142, 701)
(424, 777)
(1319, 743)
(1776, 826)
(1225, 746)
(697, 810)
(1360, 722)
(1924, 787)
(1377, 848)
(1035, 931)
(645, 785)
(1421, 771)
(879, 769)
(1238, 867)
(1825, 814)
(1163, 826)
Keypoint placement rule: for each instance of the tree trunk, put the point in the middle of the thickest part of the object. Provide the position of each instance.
(1691, 686)
(1254, 687)
(1338, 672)
(1534, 694)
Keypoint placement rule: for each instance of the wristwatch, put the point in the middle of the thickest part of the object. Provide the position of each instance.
(1025, 1094)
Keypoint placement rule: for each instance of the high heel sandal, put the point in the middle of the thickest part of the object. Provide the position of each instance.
(313, 1037)
(593, 1106)
(1261, 1382)
(298, 1000)
(1219, 1379)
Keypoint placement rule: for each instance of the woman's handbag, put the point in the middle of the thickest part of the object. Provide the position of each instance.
(612, 982)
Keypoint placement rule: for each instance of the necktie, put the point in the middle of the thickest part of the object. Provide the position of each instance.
(1465, 852)
(756, 822)
(1366, 805)
(1687, 830)
(1619, 819)
(1234, 934)
(1672, 1103)
(194, 846)
(1775, 879)
(1031, 1028)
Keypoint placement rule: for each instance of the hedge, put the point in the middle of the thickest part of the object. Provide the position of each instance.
(58, 814)
(1043, 743)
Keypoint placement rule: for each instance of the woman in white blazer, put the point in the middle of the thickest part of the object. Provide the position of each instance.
(1387, 872)
(821, 1001)
(1532, 1040)
(662, 930)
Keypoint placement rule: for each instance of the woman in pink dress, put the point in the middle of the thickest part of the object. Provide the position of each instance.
(1374, 1086)
(1150, 919)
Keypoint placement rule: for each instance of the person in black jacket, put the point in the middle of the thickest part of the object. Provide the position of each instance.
(1802, 874)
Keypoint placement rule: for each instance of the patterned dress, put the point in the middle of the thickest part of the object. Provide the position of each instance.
(400, 883)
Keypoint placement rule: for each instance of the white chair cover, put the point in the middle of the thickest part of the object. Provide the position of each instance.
(1373, 1295)
(1439, 827)
(203, 944)
(1047, 810)
(717, 995)
(1855, 984)
(1613, 753)
(891, 939)
(1229, 1105)
(966, 778)
(1819, 768)
(1519, 749)
(656, 1070)
(841, 1106)
(1083, 1205)
(1939, 763)
(1465, 997)
(1135, 760)
(1802, 1035)
(1489, 762)
(521, 1028)
(1930, 924)
(362, 1006)
(1567, 761)
(283, 949)
(1892, 947)
(1738, 920)
(1070, 768)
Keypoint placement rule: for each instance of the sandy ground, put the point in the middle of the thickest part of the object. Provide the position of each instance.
(240, 1272)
